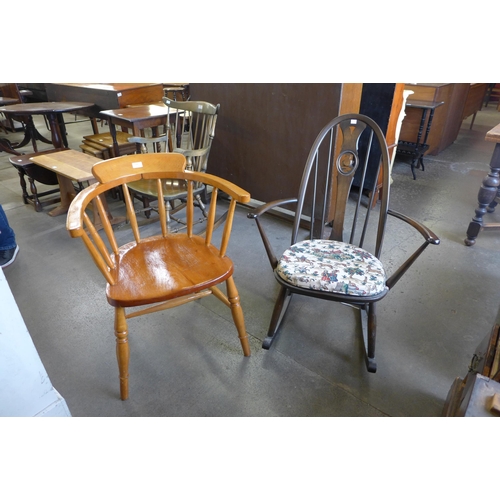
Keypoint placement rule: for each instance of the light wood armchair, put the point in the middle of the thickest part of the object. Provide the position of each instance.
(165, 270)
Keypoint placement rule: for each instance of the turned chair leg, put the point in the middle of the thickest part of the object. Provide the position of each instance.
(23, 187)
(237, 312)
(122, 350)
(34, 193)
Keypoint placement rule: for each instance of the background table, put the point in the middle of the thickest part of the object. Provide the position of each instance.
(136, 118)
(49, 109)
(69, 166)
(73, 166)
(105, 95)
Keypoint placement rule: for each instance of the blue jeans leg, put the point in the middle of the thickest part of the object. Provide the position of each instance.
(7, 236)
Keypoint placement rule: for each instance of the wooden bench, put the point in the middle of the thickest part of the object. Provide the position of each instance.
(26, 167)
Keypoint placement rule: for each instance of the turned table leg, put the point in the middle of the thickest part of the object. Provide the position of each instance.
(486, 198)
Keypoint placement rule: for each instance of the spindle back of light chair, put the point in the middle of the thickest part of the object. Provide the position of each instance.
(119, 172)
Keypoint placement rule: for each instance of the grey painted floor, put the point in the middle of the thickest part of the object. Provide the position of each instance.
(187, 361)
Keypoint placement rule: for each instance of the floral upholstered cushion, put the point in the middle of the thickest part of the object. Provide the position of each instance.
(332, 266)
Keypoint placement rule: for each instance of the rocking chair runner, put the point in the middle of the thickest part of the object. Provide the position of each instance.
(343, 265)
(156, 272)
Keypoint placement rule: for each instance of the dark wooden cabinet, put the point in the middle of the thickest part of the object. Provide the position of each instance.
(474, 101)
(447, 118)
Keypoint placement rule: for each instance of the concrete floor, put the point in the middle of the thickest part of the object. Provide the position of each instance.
(187, 361)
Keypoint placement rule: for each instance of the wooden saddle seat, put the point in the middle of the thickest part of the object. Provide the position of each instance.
(139, 285)
(156, 272)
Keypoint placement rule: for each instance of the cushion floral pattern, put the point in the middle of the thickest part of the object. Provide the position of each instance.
(332, 266)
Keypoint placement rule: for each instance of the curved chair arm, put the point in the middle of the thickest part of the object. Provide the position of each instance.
(268, 206)
(429, 237)
(256, 214)
(423, 230)
(74, 218)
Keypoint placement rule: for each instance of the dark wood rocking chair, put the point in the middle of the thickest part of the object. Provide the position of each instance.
(338, 258)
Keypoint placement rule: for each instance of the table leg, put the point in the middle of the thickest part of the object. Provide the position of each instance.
(486, 199)
(418, 158)
(112, 130)
(429, 124)
(55, 130)
(5, 145)
(62, 129)
(68, 192)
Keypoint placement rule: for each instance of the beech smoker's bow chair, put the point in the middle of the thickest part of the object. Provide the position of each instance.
(339, 258)
(163, 271)
(191, 131)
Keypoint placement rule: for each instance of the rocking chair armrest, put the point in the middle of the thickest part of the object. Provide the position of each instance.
(429, 236)
(255, 215)
(269, 206)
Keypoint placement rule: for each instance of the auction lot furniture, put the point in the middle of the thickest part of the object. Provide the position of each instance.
(154, 273)
(335, 250)
(70, 166)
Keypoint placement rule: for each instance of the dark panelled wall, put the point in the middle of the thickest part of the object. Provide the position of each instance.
(264, 132)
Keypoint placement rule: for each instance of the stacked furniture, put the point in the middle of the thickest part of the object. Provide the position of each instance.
(101, 145)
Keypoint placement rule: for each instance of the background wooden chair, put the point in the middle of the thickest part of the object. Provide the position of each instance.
(176, 91)
(191, 132)
(10, 94)
(338, 233)
(135, 268)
